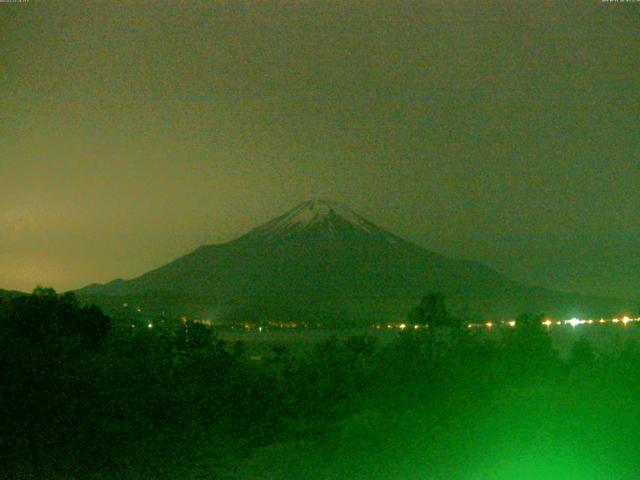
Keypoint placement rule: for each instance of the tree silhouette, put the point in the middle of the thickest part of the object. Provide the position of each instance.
(432, 311)
(529, 346)
(42, 337)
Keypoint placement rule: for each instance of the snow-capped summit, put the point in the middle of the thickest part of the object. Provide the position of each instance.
(318, 217)
(314, 211)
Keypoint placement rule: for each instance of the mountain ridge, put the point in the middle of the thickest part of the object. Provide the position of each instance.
(321, 253)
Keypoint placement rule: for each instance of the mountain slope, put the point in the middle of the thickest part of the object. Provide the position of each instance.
(324, 255)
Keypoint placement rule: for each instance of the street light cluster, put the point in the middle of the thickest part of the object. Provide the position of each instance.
(574, 322)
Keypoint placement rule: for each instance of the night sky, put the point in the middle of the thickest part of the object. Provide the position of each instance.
(503, 132)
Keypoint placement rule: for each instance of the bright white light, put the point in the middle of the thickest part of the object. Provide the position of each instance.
(489, 324)
(547, 323)
(574, 322)
(511, 323)
(615, 320)
(260, 329)
(150, 325)
(402, 326)
(625, 320)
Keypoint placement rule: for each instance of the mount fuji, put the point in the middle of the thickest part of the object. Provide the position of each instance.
(323, 260)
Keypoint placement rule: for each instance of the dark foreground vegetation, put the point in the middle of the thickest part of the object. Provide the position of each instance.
(82, 397)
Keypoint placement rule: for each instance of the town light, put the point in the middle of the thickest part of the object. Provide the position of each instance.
(574, 322)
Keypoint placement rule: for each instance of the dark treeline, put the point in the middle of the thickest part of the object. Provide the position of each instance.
(82, 397)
